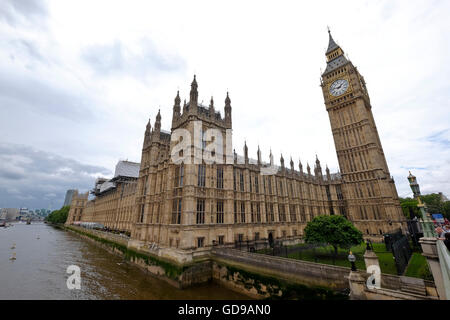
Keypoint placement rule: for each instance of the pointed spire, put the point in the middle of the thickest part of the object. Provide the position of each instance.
(331, 43)
(245, 152)
(177, 98)
(176, 109)
(158, 121)
(282, 161)
(258, 154)
(147, 133)
(271, 157)
(328, 173)
(308, 168)
(193, 94)
(212, 112)
(300, 166)
(227, 100)
(292, 164)
(228, 109)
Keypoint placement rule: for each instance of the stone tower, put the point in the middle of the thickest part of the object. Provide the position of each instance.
(371, 197)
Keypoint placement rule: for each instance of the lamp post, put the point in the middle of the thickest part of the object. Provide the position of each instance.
(352, 260)
(427, 223)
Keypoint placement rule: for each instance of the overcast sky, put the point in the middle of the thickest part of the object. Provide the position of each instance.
(80, 79)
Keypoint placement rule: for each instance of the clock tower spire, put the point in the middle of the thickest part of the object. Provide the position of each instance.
(368, 188)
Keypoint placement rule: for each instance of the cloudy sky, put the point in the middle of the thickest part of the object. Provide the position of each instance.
(80, 79)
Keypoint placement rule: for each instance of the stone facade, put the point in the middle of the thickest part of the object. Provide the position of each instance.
(188, 206)
(371, 198)
(114, 202)
(77, 207)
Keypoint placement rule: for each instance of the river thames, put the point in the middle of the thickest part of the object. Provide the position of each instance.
(43, 254)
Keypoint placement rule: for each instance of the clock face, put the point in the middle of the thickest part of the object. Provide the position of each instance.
(338, 87)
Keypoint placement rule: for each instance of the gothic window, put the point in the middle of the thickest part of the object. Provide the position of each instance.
(201, 175)
(221, 239)
(179, 173)
(272, 216)
(144, 190)
(281, 215)
(258, 213)
(241, 180)
(176, 211)
(292, 213)
(250, 183)
(235, 212)
(219, 208)
(253, 213)
(234, 179)
(242, 212)
(204, 139)
(200, 242)
(200, 211)
(141, 218)
(327, 189)
(256, 184)
(269, 180)
(219, 177)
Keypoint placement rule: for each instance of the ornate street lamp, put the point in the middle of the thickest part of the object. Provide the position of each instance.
(427, 223)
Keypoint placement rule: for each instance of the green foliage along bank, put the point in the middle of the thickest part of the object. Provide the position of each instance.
(58, 216)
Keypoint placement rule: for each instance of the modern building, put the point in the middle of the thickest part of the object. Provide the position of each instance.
(68, 198)
(189, 196)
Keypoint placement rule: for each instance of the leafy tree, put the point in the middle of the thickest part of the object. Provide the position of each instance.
(446, 209)
(433, 202)
(334, 230)
(409, 207)
(58, 216)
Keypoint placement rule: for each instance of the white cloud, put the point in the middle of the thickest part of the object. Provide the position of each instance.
(268, 55)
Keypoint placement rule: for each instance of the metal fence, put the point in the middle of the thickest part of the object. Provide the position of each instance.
(402, 253)
(398, 244)
(292, 251)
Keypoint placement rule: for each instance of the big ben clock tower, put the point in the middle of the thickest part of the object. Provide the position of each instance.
(371, 197)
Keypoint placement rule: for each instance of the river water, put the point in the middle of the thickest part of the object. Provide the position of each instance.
(43, 254)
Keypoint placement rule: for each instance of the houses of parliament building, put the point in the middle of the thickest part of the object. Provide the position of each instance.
(189, 206)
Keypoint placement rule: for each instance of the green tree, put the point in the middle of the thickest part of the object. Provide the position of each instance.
(58, 216)
(433, 202)
(334, 230)
(446, 209)
(409, 207)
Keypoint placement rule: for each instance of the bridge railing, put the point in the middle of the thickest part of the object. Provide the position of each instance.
(444, 260)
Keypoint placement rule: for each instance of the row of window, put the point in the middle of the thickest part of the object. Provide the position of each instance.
(239, 183)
